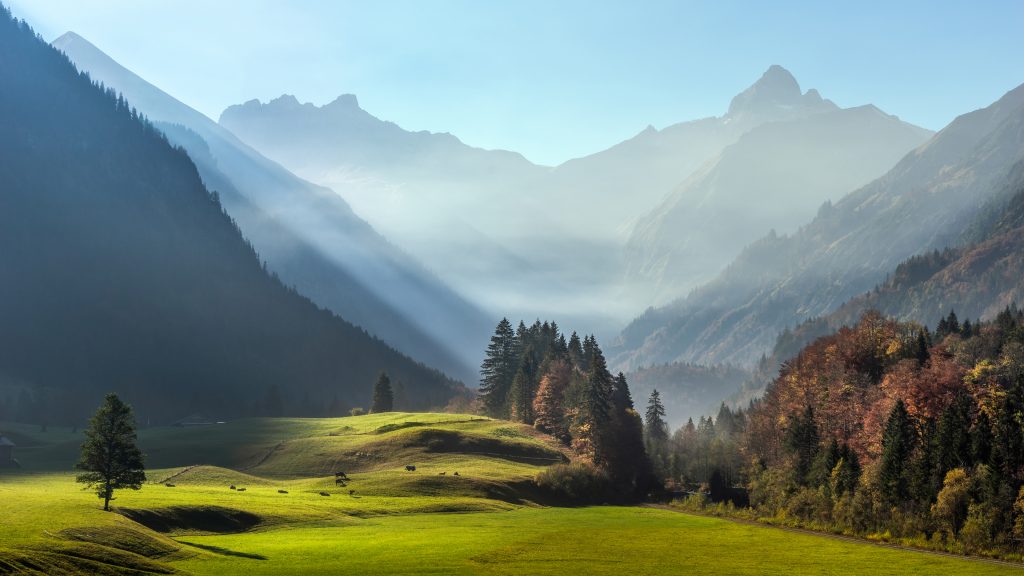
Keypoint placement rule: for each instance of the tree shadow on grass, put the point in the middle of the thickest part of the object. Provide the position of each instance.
(225, 551)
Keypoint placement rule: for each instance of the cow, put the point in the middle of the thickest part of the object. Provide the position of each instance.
(410, 468)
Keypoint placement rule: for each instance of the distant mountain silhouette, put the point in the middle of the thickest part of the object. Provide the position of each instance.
(541, 241)
(122, 272)
(307, 234)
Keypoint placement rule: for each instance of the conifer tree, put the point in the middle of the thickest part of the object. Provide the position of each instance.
(383, 395)
(897, 446)
(575, 352)
(803, 440)
(590, 433)
(521, 395)
(621, 398)
(921, 353)
(654, 420)
(110, 459)
(499, 369)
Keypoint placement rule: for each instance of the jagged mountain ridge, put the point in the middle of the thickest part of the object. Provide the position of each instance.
(555, 231)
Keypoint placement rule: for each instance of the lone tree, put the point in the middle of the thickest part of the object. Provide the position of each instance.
(383, 395)
(110, 459)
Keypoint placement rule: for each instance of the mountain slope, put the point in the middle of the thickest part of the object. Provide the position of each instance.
(121, 272)
(923, 203)
(773, 177)
(307, 234)
(978, 280)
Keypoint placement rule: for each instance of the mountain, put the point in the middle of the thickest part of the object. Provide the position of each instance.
(308, 235)
(978, 279)
(924, 203)
(537, 241)
(121, 272)
(773, 177)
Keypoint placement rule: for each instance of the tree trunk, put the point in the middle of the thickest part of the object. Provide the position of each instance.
(106, 498)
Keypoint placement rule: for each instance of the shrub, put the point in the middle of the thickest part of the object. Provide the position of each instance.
(357, 412)
(576, 483)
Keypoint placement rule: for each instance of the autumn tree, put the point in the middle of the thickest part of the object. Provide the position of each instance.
(549, 403)
(110, 459)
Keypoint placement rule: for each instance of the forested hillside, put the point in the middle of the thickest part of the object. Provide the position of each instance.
(122, 272)
(884, 428)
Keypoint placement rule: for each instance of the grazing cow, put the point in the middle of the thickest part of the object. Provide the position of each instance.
(339, 482)
(410, 468)
(340, 475)
(324, 494)
(351, 492)
(241, 489)
(282, 491)
(169, 485)
(455, 474)
(232, 487)
(441, 474)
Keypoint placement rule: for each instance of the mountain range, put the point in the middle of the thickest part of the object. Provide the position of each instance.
(926, 202)
(588, 238)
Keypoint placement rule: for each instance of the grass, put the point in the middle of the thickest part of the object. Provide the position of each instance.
(484, 521)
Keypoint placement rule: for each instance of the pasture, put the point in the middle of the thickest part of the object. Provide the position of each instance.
(384, 519)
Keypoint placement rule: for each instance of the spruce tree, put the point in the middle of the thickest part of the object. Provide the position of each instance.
(521, 395)
(110, 459)
(383, 395)
(921, 353)
(897, 446)
(621, 398)
(654, 421)
(575, 349)
(499, 369)
(803, 440)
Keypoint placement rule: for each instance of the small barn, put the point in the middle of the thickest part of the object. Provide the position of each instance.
(6, 452)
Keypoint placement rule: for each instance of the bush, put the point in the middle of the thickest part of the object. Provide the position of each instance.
(575, 483)
(357, 412)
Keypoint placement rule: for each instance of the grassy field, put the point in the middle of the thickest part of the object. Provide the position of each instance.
(483, 521)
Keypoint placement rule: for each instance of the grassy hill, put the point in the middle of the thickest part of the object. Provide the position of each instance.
(187, 519)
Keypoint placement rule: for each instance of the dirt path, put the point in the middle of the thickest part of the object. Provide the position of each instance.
(853, 539)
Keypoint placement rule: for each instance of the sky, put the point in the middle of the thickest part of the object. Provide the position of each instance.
(554, 80)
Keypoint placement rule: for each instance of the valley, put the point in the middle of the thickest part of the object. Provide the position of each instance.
(490, 516)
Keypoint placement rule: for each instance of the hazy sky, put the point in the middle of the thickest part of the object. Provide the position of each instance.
(554, 79)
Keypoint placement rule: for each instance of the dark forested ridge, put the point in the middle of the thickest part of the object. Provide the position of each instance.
(120, 271)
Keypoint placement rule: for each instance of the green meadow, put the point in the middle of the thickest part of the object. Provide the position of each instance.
(292, 518)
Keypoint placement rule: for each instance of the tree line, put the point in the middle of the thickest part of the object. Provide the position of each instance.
(536, 376)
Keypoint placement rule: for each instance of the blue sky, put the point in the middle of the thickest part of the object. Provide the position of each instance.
(554, 79)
